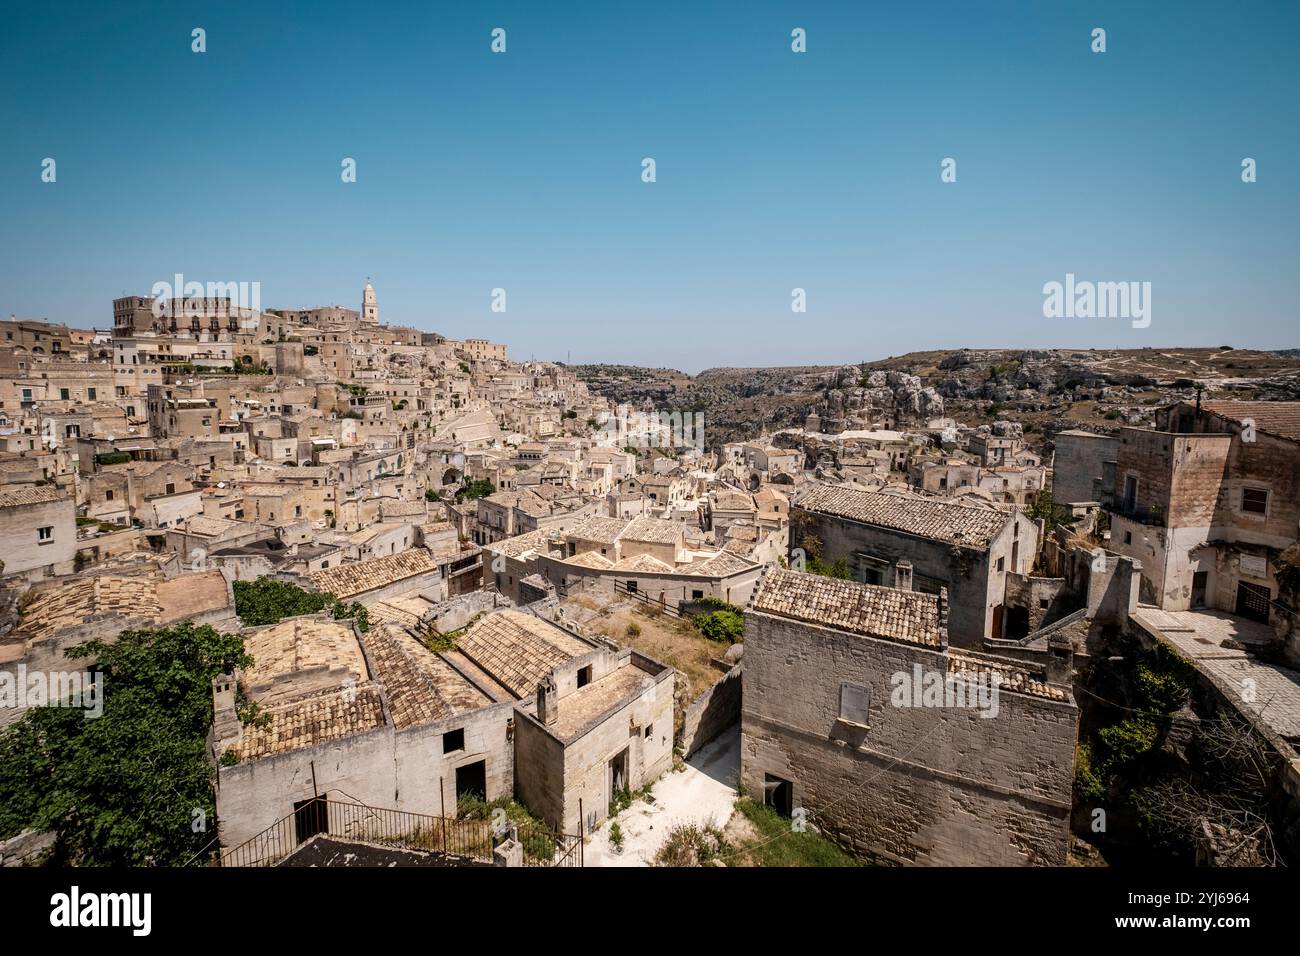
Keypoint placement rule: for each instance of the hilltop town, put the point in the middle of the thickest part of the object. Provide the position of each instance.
(406, 599)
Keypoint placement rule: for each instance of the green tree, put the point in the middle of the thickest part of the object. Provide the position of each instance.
(268, 601)
(477, 488)
(132, 787)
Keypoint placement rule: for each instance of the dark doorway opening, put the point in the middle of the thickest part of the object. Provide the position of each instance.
(310, 817)
(1017, 623)
(471, 779)
(778, 794)
(1200, 581)
(1253, 601)
(617, 772)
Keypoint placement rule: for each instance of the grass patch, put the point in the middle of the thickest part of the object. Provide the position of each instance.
(779, 845)
(538, 840)
(692, 844)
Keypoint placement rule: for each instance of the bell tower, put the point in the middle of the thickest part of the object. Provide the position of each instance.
(369, 306)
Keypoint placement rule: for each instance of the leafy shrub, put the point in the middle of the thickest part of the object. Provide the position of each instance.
(722, 625)
(691, 844)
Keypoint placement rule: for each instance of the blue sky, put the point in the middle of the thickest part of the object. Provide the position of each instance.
(775, 170)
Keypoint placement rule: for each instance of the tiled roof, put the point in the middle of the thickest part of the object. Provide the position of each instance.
(923, 517)
(721, 565)
(314, 719)
(1274, 418)
(300, 643)
(598, 528)
(519, 650)
(209, 527)
(1019, 679)
(421, 687)
(586, 704)
(643, 563)
(70, 605)
(348, 580)
(139, 600)
(590, 559)
(908, 616)
(654, 530)
(17, 497)
(520, 544)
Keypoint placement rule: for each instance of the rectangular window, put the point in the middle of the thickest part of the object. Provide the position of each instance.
(64, 394)
(453, 740)
(45, 534)
(584, 676)
(855, 703)
(90, 393)
(1254, 501)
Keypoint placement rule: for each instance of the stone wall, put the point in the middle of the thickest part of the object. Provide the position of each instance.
(1077, 466)
(385, 768)
(916, 785)
(712, 712)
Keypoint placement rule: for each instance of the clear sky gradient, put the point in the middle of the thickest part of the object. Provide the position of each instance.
(775, 170)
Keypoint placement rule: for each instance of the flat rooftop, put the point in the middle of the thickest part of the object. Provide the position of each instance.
(587, 704)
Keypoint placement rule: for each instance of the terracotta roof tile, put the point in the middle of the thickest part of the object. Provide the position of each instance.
(926, 518)
(890, 613)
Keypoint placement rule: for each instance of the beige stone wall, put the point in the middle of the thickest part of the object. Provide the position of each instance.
(20, 546)
(399, 770)
(586, 760)
(922, 785)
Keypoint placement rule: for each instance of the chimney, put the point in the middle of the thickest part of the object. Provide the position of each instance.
(1060, 660)
(903, 575)
(548, 710)
(226, 727)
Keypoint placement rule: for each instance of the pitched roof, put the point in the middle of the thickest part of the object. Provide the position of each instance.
(349, 580)
(519, 650)
(653, 530)
(421, 687)
(301, 643)
(17, 497)
(908, 616)
(1274, 418)
(314, 719)
(924, 517)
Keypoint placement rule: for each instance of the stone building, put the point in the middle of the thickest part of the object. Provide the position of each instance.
(62, 614)
(967, 549)
(375, 718)
(1207, 502)
(897, 747)
(38, 531)
(601, 725)
(518, 707)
